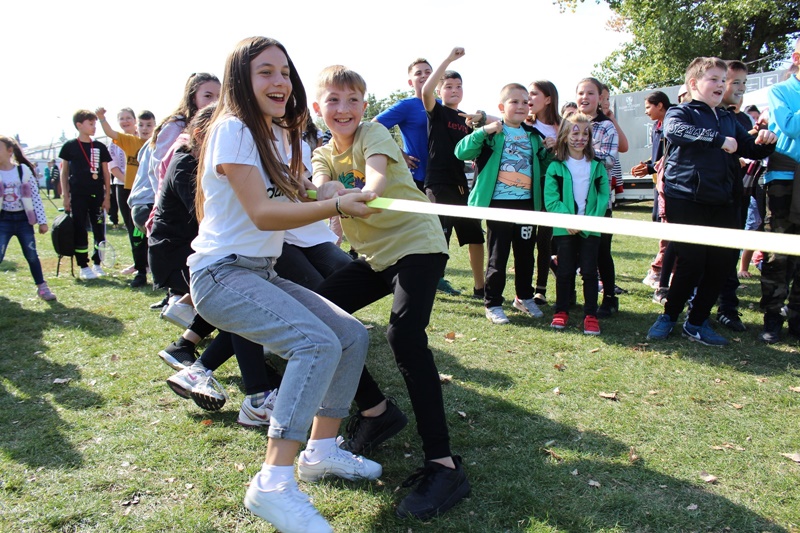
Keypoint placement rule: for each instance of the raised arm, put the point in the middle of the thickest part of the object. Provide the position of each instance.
(429, 89)
(107, 129)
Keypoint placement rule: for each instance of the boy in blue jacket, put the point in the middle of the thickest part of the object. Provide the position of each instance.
(705, 143)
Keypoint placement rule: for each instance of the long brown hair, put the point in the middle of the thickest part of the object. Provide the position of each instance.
(19, 156)
(188, 107)
(237, 99)
(549, 114)
(562, 148)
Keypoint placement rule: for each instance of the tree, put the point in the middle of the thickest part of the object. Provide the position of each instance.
(667, 34)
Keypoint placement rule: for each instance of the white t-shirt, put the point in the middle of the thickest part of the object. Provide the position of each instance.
(226, 229)
(548, 130)
(580, 170)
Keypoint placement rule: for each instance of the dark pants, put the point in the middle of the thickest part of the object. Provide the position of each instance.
(780, 273)
(575, 251)
(412, 281)
(15, 224)
(698, 265)
(113, 213)
(137, 239)
(502, 237)
(310, 266)
(87, 208)
(605, 263)
(544, 236)
(667, 265)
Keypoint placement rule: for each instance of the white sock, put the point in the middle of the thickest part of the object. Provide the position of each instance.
(272, 475)
(319, 449)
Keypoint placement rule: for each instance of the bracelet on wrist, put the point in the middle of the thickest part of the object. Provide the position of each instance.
(339, 209)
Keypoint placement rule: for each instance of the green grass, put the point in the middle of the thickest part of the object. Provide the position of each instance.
(75, 457)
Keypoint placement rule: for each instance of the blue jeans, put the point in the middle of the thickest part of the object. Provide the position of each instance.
(15, 224)
(324, 346)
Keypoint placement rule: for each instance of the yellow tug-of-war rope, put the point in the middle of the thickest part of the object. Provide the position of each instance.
(726, 238)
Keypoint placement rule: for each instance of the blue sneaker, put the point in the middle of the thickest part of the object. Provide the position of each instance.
(703, 334)
(661, 329)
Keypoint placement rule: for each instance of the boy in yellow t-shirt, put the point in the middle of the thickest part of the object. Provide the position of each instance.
(403, 255)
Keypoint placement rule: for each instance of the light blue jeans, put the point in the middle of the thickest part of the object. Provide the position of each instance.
(325, 347)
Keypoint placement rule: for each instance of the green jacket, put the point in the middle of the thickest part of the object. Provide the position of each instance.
(487, 150)
(559, 198)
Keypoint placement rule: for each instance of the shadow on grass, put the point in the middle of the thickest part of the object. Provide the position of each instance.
(35, 433)
(539, 471)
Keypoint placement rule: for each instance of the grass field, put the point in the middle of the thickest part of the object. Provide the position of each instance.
(693, 442)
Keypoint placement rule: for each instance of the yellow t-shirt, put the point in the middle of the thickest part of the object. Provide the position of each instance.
(386, 237)
(130, 144)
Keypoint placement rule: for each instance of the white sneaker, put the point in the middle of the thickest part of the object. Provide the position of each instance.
(286, 508)
(87, 273)
(98, 270)
(252, 417)
(652, 279)
(184, 381)
(179, 314)
(496, 315)
(339, 463)
(528, 306)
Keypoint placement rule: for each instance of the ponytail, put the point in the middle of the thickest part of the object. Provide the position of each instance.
(19, 156)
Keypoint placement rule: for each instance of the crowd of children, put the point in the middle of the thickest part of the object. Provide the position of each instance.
(221, 190)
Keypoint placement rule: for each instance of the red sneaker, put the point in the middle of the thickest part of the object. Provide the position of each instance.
(591, 326)
(560, 320)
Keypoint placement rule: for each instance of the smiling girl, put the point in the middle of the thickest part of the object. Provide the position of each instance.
(247, 195)
(577, 184)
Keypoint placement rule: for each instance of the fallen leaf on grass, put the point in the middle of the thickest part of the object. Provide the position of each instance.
(451, 335)
(114, 357)
(728, 446)
(737, 405)
(61, 381)
(560, 367)
(632, 455)
(239, 467)
(553, 454)
(207, 422)
(793, 456)
(557, 391)
(609, 395)
(462, 414)
(794, 389)
(170, 480)
(445, 378)
(38, 352)
(574, 472)
(652, 392)
(593, 483)
(368, 326)
(113, 374)
(708, 478)
(189, 486)
(692, 507)
(594, 350)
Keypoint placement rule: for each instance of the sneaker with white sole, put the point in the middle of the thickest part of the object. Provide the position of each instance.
(528, 306)
(184, 381)
(703, 334)
(87, 273)
(285, 507)
(252, 417)
(209, 394)
(339, 463)
(652, 279)
(496, 315)
(98, 270)
(178, 357)
(179, 314)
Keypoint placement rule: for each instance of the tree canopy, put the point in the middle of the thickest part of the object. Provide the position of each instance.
(667, 34)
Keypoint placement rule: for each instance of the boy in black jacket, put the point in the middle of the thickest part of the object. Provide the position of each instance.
(699, 189)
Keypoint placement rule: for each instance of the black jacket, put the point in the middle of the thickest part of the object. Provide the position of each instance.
(697, 169)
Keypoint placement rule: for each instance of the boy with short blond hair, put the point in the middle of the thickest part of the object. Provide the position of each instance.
(704, 145)
(404, 255)
(512, 159)
(86, 188)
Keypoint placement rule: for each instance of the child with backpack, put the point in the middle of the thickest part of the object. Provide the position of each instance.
(20, 209)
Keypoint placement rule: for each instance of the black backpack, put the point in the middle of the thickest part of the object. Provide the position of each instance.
(63, 240)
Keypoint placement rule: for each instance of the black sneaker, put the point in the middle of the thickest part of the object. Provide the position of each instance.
(478, 293)
(730, 319)
(158, 306)
(178, 357)
(140, 280)
(609, 306)
(365, 433)
(439, 489)
(773, 322)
